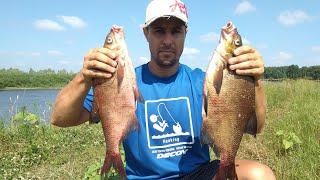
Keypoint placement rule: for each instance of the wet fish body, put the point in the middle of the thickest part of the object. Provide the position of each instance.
(114, 102)
(229, 101)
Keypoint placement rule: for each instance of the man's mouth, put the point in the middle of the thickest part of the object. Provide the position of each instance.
(166, 51)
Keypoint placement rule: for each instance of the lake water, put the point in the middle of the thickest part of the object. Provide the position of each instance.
(38, 101)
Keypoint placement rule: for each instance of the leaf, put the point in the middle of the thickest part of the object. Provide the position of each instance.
(279, 133)
(295, 138)
(287, 144)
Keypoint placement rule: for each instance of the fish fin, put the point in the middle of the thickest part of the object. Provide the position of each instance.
(135, 123)
(205, 100)
(94, 115)
(113, 159)
(226, 172)
(251, 127)
(137, 95)
(218, 76)
(215, 150)
(120, 72)
(205, 137)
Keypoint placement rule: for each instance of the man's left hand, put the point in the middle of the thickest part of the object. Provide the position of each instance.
(247, 61)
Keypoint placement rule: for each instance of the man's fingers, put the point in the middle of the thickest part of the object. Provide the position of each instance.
(103, 58)
(249, 72)
(243, 50)
(97, 65)
(245, 65)
(96, 55)
(110, 53)
(96, 74)
(100, 62)
(241, 58)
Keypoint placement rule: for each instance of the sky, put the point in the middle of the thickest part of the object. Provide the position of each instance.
(41, 34)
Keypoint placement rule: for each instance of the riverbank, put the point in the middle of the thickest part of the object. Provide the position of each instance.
(289, 143)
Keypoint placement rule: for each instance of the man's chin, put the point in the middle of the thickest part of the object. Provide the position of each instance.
(166, 63)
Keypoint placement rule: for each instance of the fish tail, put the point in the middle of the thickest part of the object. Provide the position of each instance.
(226, 172)
(113, 159)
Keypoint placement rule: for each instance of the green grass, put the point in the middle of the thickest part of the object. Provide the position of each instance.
(49, 153)
(293, 107)
(43, 152)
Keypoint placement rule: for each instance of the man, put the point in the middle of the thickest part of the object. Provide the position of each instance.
(167, 144)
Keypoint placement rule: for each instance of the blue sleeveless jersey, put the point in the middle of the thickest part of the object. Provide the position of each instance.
(167, 143)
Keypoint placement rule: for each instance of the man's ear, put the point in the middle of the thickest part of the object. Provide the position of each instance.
(146, 32)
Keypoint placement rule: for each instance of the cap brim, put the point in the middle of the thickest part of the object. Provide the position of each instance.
(146, 24)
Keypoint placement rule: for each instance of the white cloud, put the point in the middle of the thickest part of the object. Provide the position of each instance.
(20, 54)
(244, 7)
(46, 24)
(316, 49)
(73, 21)
(282, 57)
(190, 51)
(139, 61)
(55, 53)
(35, 54)
(143, 59)
(290, 18)
(69, 42)
(262, 46)
(210, 37)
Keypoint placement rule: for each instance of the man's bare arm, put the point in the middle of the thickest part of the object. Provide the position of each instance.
(68, 109)
(261, 104)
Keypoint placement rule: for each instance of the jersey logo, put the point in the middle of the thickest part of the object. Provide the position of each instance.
(168, 122)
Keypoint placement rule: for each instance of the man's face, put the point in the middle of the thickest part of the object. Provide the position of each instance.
(166, 41)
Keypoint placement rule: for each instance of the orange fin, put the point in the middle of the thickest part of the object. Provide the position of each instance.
(120, 73)
(94, 115)
(251, 127)
(218, 77)
(113, 159)
(226, 172)
(137, 94)
(205, 137)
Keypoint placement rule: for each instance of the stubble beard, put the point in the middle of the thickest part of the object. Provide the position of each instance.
(166, 63)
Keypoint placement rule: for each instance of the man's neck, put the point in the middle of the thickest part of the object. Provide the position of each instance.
(162, 71)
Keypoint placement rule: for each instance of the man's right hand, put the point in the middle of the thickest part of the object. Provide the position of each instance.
(99, 63)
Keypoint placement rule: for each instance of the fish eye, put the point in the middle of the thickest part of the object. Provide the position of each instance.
(237, 42)
(109, 40)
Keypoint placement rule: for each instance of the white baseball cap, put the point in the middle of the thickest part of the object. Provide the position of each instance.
(166, 8)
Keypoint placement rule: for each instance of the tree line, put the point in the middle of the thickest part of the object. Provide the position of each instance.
(46, 78)
(292, 72)
(49, 78)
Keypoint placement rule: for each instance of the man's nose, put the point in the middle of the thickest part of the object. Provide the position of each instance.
(168, 39)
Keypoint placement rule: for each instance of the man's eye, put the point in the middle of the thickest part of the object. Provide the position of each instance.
(159, 31)
(177, 31)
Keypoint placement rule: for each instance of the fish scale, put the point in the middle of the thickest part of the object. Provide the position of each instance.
(230, 102)
(114, 102)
